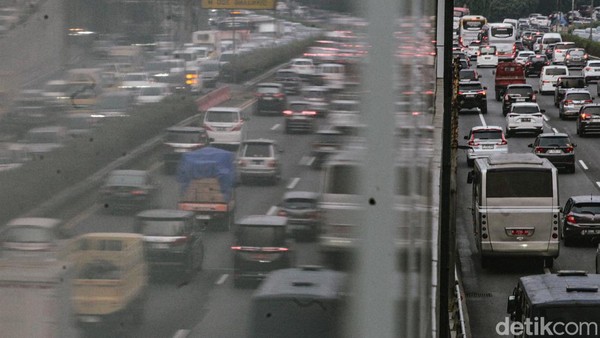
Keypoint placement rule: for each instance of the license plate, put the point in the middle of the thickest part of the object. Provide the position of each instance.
(590, 232)
(260, 257)
(202, 216)
(89, 319)
(268, 98)
(487, 146)
(470, 95)
(554, 151)
(256, 161)
(221, 129)
(525, 120)
(520, 99)
(160, 246)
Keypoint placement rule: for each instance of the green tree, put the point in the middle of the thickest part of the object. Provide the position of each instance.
(497, 10)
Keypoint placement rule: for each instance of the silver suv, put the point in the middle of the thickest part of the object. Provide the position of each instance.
(259, 158)
(573, 100)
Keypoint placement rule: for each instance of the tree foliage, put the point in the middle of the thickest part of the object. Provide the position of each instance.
(497, 10)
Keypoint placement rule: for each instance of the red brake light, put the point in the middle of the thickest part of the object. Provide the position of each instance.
(568, 57)
(472, 143)
(585, 116)
(275, 249)
(272, 163)
(207, 127)
(258, 94)
(181, 240)
(568, 102)
(506, 97)
(460, 93)
(288, 112)
(540, 150)
(481, 92)
(588, 101)
(588, 68)
(520, 232)
(569, 149)
(309, 112)
(138, 192)
(279, 95)
(571, 219)
(237, 127)
(503, 142)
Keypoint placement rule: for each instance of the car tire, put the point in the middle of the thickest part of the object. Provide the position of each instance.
(560, 115)
(507, 133)
(572, 169)
(485, 262)
(549, 262)
(498, 96)
(581, 133)
(470, 162)
(483, 109)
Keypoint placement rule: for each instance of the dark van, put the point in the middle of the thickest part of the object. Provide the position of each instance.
(299, 302)
(508, 73)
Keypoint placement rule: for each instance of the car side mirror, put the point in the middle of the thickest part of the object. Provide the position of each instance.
(470, 177)
(560, 209)
(493, 72)
(574, 145)
(535, 92)
(485, 87)
(542, 110)
(479, 76)
(530, 145)
(466, 137)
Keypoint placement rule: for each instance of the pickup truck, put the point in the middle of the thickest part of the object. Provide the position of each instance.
(507, 73)
(207, 177)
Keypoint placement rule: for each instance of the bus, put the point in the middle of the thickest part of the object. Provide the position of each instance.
(515, 207)
(554, 304)
(503, 36)
(469, 28)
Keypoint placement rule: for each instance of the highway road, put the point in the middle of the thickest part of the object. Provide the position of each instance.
(487, 290)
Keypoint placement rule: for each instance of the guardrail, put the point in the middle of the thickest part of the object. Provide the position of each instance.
(213, 98)
(459, 315)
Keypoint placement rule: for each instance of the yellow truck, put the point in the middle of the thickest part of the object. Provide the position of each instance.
(110, 282)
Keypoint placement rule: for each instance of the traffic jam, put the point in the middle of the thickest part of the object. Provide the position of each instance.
(182, 229)
(528, 229)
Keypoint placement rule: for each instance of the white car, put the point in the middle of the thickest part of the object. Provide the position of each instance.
(560, 49)
(487, 56)
(484, 141)
(548, 77)
(522, 56)
(472, 49)
(591, 71)
(224, 125)
(135, 81)
(524, 116)
(153, 94)
(303, 66)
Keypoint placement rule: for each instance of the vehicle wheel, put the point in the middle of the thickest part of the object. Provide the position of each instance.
(485, 262)
(484, 109)
(561, 116)
(572, 168)
(498, 96)
(507, 133)
(470, 162)
(548, 262)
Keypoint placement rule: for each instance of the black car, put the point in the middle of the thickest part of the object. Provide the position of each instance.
(299, 117)
(304, 218)
(469, 75)
(581, 218)
(472, 95)
(172, 240)
(290, 79)
(557, 148)
(261, 246)
(567, 82)
(270, 97)
(328, 142)
(128, 189)
(534, 65)
(588, 120)
(549, 50)
(576, 58)
(517, 93)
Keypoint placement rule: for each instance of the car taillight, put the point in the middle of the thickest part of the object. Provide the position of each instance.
(568, 57)
(181, 240)
(571, 219)
(272, 163)
(275, 249)
(472, 143)
(309, 112)
(242, 163)
(569, 149)
(237, 127)
(568, 102)
(547, 63)
(282, 213)
(288, 112)
(481, 92)
(527, 64)
(585, 56)
(506, 97)
(258, 94)
(207, 127)
(512, 115)
(478, 53)
(585, 116)
(279, 95)
(540, 150)
(138, 192)
(520, 232)
(533, 98)
(588, 101)
(460, 93)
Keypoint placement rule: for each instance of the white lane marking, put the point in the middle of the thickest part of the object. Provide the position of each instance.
(181, 333)
(545, 117)
(275, 126)
(583, 165)
(547, 271)
(82, 215)
(598, 184)
(555, 130)
(222, 279)
(272, 210)
(303, 160)
(482, 120)
(293, 183)
(310, 161)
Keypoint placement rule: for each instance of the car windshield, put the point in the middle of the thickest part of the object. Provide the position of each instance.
(268, 90)
(468, 87)
(28, 234)
(299, 203)
(183, 137)
(257, 150)
(222, 116)
(578, 96)
(538, 58)
(558, 141)
(487, 50)
(523, 91)
(525, 109)
(125, 180)
(586, 208)
(593, 64)
(99, 269)
(576, 53)
(487, 134)
(261, 236)
(573, 83)
(161, 227)
(210, 67)
(467, 74)
(525, 54)
(591, 110)
(556, 71)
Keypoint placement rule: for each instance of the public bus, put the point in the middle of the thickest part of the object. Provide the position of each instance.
(503, 36)
(566, 303)
(515, 207)
(469, 28)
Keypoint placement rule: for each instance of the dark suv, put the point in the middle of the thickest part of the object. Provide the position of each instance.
(517, 93)
(261, 246)
(472, 95)
(567, 82)
(557, 148)
(270, 97)
(581, 218)
(534, 64)
(172, 239)
(576, 58)
(588, 119)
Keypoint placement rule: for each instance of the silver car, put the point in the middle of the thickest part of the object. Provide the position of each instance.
(484, 141)
(259, 158)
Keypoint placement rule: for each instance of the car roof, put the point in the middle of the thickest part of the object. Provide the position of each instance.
(46, 129)
(165, 213)
(34, 221)
(553, 135)
(586, 198)
(525, 104)
(225, 109)
(128, 172)
(270, 84)
(553, 288)
(185, 129)
(311, 282)
(519, 85)
(576, 90)
(259, 140)
(479, 128)
(300, 194)
(263, 220)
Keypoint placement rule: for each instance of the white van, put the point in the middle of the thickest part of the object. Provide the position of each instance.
(487, 56)
(550, 38)
(224, 125)
(549, 76)
(333, 75)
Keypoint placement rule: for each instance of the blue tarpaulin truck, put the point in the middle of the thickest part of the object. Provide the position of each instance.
(207, 177)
